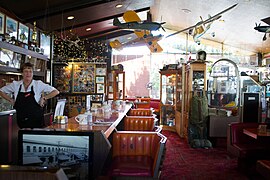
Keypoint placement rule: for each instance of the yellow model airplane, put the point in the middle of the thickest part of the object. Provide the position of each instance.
(144, 36)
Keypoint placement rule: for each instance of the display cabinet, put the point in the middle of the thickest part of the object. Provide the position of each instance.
(116, 85)
(195, 82)
(171, 94)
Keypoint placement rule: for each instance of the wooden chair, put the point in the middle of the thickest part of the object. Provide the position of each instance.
(137, 154)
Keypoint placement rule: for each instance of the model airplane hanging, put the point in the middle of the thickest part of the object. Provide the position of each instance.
(139, 25)
(264, 29)
(201, 28)
(149, 40)
(144, 35)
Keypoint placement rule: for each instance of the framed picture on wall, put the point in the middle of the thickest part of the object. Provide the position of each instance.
(11, 27)
(2, 22)
(45, 42)
(100, 88)
(100, 79)
(23, 33)
(101, 71)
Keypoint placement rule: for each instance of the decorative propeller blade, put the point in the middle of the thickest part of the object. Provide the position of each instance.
(163, 29)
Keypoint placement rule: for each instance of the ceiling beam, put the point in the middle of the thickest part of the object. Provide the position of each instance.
(62, 9)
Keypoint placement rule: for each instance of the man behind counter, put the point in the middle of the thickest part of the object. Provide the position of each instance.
(29, 98)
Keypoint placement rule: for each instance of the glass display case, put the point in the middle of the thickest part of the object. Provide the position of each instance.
(171, 97)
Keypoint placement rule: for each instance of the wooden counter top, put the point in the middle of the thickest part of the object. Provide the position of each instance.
(107, 128)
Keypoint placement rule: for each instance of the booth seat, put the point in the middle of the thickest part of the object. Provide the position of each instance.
(154, 103)
(137, 154)
(247, 149)
(141, 123)
(263, 168)
(140, 112)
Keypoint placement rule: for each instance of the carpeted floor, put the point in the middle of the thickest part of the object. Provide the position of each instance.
(183, 162)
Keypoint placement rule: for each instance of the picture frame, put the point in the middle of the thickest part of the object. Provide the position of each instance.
(100, 79)
(23, 33)
(2, 23)
(101, 71)
(45, 42)
(100, 88)
(11, 27)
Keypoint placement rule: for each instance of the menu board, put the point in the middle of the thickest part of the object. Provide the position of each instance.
(84, 78)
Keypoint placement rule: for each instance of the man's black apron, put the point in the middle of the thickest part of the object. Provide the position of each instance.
(29, 113)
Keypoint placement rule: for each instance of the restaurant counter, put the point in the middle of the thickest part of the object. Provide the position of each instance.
(97, 152)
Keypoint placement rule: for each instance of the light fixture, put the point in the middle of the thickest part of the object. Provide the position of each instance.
(118, 5)
(187, 11)
(129, 38)
(70, 17)
(88, 29)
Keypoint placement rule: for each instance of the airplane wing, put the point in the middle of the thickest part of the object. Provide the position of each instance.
(131, 16)
(266, 20)
(154, 47)
(211, 19)
(218, 15)
(191, 27)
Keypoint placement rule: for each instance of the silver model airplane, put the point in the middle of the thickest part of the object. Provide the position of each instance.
(200, 29)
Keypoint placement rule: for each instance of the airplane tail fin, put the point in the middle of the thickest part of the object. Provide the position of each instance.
(116, 45)
(116, 22)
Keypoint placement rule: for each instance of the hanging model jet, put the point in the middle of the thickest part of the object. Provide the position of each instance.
(144, 35)
(201, 28)
(138, 25)
(263, 29)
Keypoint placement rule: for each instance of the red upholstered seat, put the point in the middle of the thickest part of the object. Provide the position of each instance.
(132, 166)
(137, 153)
(140, 112)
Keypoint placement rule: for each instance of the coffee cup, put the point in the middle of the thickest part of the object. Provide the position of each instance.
(82, 119)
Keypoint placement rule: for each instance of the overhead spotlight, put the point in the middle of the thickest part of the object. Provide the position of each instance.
(118, 5)
(70, 17)
(88, 29)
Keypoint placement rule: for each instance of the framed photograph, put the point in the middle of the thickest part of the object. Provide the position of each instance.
(100, 88)
(11, 27)
(45, 41)
(2, 20)
(23, 33)
(101, 71)
(100, 79)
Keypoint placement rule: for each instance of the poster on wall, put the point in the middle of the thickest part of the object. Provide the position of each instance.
(84, 78)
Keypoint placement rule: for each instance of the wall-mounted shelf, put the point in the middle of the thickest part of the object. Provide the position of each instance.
(21, 50)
